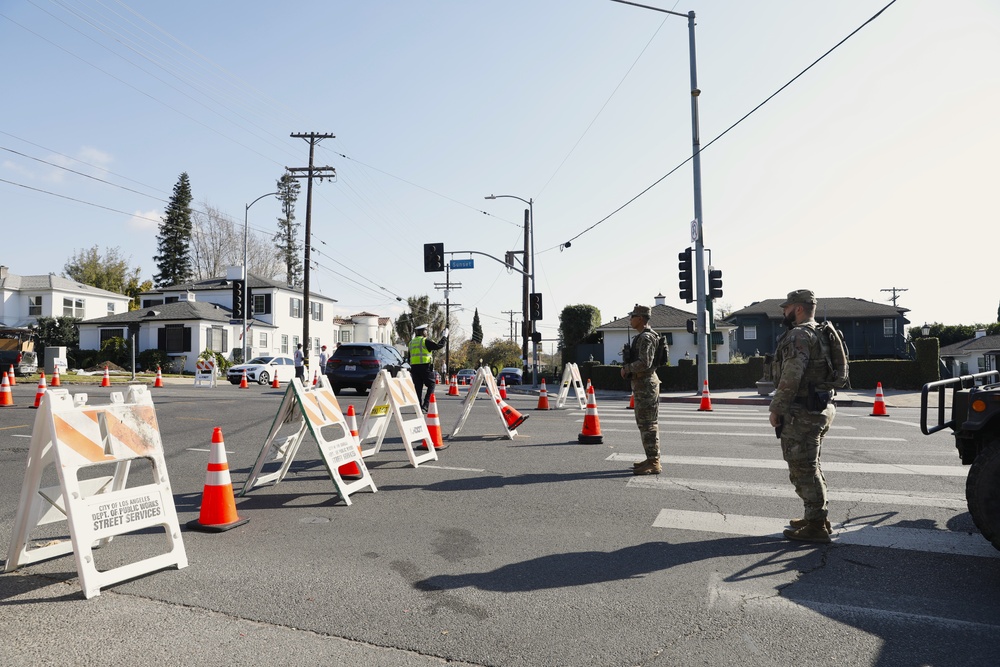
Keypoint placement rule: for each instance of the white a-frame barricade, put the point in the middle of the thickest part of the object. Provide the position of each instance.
(484, 378)
(315, 411)
(395, 397)
(78, 441)
(571, 376)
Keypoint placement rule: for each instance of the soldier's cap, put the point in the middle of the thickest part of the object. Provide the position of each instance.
(639, 310)
(420, 327)
(805, 296)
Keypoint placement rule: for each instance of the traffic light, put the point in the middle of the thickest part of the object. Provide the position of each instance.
(685, 275)
(715, 284)
(692, 326)
(239, 299)
(433, 257)
(535, 305)
(249, 298)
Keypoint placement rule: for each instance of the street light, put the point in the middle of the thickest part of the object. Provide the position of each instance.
(246, 233)
(531, 274)
(697, 232)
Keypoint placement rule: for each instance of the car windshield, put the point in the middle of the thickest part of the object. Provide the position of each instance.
(354, 351)
(515, 371)
(260, 360)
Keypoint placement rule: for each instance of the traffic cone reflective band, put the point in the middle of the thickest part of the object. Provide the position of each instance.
(41, 390)
(591, 433)
(243, 382)
(315, 378)
(878, 410)
(434, 425)
(706, 398)
(503, 389)
(106, 381)
(274, 381)
(510, 415)
(351, 469)
(631, 401)
(543, 398)
(159, 378)
(6, 397)
(55, 376)
(453, 386)
(218, 506)
(11, 378)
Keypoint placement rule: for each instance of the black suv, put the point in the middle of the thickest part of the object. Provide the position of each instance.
(355, 365)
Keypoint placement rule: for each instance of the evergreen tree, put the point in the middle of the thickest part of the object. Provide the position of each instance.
(173, 257)
(477, 328)
(289, 249)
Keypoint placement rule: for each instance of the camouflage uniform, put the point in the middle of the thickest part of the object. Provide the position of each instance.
(799, 370)
(646, 389)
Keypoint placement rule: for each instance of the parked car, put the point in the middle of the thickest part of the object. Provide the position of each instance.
(465, 375)
(262, 369)
(510, 376)
(355, 365)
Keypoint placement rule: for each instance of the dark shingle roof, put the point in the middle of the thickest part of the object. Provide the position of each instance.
(181, 310)
(223, 283)
(828, 307)
(660, 318)
(981, 344)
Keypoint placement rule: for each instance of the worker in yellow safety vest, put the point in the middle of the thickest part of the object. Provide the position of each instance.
(421, 362)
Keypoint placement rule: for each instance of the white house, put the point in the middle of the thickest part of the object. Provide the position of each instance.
(978, 354)
(23, 299)
(363, 327)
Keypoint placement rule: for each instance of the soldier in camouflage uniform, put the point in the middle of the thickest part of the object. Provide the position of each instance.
(645, 388)
(802, 410)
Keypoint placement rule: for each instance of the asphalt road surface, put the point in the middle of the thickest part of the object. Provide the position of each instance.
(532, 551)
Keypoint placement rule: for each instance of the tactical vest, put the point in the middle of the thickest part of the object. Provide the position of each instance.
(817, 372)
(419, 354)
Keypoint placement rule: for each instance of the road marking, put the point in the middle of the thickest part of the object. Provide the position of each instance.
(866, 535)
(737, 434)
(944, 501)
(671, 422)
(424, 465)
(828, 466)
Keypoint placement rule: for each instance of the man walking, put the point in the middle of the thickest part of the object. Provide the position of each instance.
(802, 410)
(421, 362)
(639, 364)
(299, 359)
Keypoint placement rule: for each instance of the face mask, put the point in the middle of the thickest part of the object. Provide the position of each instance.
(789, 320)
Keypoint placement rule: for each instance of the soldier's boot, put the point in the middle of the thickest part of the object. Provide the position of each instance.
(648, 467)
(799, 523)
(813, 531)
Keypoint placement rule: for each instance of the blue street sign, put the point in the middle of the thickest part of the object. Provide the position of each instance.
(461, 264)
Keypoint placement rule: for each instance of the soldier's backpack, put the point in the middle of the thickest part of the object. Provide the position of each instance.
(838, 365)
(662, 355)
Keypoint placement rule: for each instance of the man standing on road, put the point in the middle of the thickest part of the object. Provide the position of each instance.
(300, 370)
(323, 358)
(802, 410)
(639, 365)
(421, 362)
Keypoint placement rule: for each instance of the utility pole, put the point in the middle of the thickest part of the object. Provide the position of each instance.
(512, 313)
(894, 295)
(309, 173)
(525, 327)
(447, 287)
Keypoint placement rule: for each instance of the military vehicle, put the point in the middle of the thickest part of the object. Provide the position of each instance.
(975, 422)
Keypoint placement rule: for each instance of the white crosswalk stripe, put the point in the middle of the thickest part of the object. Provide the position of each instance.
(828, 466)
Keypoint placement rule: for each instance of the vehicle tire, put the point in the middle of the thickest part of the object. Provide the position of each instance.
(362, 391)
(263, 378)
(234, 382)
(982, 491)
(336, 391)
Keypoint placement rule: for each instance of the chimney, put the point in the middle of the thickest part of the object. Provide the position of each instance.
(980, 333)
(659, 300)
(3, 272)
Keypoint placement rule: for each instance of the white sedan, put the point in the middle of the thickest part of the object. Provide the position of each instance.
(262, 369)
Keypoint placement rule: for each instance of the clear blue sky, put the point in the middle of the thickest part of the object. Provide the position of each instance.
(873, 170)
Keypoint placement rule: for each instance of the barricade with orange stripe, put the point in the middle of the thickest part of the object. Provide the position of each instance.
(204, 373)
(389, 398)
(70, 435)
(571, 376)
(484, 379)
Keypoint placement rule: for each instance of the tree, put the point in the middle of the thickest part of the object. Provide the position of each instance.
(422, 311)
(502, 354)
(110, 272)
(217, 244)
(173, 258)
(477, 328)
(575, 324)
(286, 240)
(949, 334)
(57, 332)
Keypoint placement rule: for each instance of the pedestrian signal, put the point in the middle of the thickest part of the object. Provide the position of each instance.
(433, 257)
(535, 305)
(239, 299)
(715, 284)
(685, 275)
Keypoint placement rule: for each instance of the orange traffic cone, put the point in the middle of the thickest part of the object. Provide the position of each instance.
(878, 410)
(591, 433)
(503, 389)
(243, 382)
(706, 399)
(510, 415)
(315, 378)
(55, 376)
(106, 381)
(11, 378)
(453, 386)
(631, 401)
(41, 390)
(6, 397)
(218, 506)
(543, 398)
(351, 469)
(274, 381)
(434, 425)
(159, 377)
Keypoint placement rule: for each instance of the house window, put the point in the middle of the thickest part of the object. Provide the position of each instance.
(749, 332)
(317, 311)
(72, 307)
(215, 339)
(149, 303)
(888, 327)
(174, 338)
(284, 343)
(35, 306)
(111, 307)
(171, 299)
(108, 334)
(345, 336)
(295, 341)
(263, 340)
(261, 304)
(295, 307)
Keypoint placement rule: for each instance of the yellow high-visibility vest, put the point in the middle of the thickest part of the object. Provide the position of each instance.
(419, 354)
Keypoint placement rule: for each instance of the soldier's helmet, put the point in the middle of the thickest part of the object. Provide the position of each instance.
(640, 310)
(804, 296)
